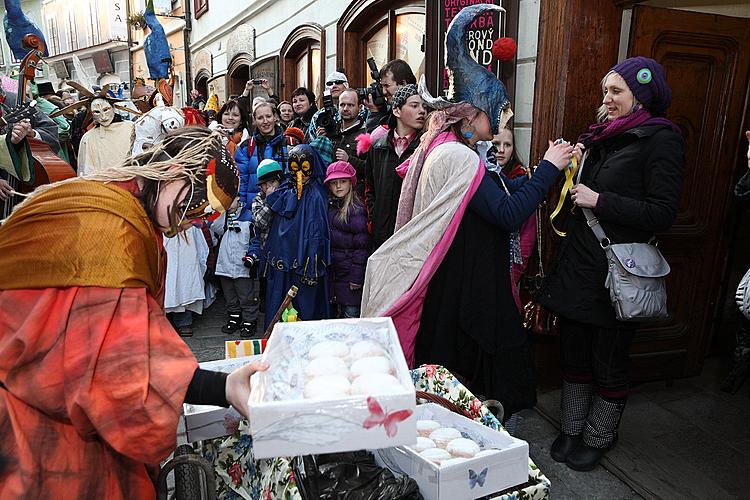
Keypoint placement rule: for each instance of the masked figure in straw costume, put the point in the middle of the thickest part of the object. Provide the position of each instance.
(108, 142)
(441, 276)
(93, 376)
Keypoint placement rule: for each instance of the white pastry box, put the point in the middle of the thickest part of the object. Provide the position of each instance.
(283, 422)
(207, 422)
(473, 478)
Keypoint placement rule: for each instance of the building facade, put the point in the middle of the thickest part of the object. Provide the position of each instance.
(87, 41)
(171, 16)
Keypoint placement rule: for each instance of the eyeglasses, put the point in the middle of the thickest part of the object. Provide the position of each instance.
(335, 82)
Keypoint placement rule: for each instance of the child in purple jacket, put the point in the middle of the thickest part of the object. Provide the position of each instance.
(351, 243)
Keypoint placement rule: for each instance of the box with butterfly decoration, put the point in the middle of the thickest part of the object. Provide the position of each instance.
(458, 458)
(332, 386)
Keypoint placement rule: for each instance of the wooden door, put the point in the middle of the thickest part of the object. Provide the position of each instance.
(706, 58)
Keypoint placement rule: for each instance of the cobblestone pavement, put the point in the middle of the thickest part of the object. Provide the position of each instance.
(207, 342)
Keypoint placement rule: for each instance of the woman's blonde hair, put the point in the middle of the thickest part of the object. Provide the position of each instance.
(601, 112)
(182, 156)
(350, 200)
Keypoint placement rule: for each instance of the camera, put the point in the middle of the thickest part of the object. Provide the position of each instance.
(326, 117)
(375, 90)
(257, 81)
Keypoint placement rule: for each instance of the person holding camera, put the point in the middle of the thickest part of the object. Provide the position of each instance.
(382, 183)
(326, 121)
(237, 282)
(394, 75)
(232, 124)
(345, 144)
(303, 103)
(246, 99)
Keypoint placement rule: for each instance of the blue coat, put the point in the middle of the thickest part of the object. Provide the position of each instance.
(247, 165)
(297, 251)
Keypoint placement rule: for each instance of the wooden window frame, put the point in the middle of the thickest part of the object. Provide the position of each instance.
(200, 7)
(301, 40)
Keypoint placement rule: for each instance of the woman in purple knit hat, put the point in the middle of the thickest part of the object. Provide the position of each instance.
(631, 179)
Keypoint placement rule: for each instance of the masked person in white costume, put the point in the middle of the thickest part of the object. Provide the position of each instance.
(108, 143)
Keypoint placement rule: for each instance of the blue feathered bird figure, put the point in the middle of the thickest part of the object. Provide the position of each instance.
(156, 46)
(17, 25)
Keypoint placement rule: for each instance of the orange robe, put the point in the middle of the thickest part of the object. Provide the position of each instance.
(94, 375)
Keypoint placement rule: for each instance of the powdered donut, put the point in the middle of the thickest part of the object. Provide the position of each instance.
(372, 364)
(435, 455)
(423, 443)
(365, 349)
(485, 453)
(462, 447)
(326, 365)
(372, 384)
(444, 435)
(327, 387)
(452, 461)
(425, 427)
(329, 348)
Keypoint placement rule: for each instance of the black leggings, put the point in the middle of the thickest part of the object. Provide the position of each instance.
(598, 355)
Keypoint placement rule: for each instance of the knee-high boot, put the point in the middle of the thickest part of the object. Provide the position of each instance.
(575, 400)
(599, 433)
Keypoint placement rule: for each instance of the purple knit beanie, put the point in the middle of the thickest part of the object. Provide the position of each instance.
(646, 79)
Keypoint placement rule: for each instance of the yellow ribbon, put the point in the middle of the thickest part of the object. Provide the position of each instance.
(570, 175)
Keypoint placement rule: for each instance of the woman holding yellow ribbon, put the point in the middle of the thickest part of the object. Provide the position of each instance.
(92, 375)
(631, 177)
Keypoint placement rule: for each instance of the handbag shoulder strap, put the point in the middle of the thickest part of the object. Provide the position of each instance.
(596, 228)
(591, 219)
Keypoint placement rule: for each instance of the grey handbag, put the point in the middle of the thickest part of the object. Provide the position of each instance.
(635, 276)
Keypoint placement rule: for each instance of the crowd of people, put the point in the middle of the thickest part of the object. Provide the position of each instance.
(420, 209)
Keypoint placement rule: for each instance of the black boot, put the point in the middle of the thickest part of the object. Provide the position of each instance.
(233, 323)
(599, 434)
(575, 400)
(249, 329)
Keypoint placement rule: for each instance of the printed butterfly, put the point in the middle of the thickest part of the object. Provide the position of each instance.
(475, 479)
(379, 417)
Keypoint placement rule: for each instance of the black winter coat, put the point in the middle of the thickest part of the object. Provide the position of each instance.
(383, 185)
(348, 142)
(638, 175)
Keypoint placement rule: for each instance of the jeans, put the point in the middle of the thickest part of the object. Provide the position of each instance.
(181, 319)
(348, 311)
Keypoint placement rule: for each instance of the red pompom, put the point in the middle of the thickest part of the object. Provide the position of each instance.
(504, 49)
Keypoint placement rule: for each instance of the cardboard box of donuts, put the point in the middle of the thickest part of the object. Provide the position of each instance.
(457, 458)
(332, 386)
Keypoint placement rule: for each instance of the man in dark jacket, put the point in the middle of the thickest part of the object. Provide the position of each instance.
(382, 183)
(345, 144)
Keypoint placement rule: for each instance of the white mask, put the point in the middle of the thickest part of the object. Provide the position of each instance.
(102, 112)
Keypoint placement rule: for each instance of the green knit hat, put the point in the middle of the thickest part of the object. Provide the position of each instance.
(268, 170)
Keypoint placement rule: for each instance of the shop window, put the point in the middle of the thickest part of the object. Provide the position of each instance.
(383, 30)
(302, 61)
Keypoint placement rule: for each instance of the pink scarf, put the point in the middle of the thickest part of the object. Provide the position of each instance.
(439, 124)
